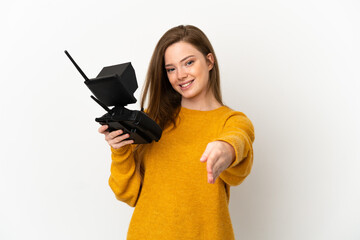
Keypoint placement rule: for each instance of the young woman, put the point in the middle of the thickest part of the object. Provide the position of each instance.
(180, 185)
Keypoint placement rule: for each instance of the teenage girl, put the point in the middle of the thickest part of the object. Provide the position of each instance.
(180, 185)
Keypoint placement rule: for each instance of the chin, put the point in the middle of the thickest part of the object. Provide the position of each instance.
(188, 96)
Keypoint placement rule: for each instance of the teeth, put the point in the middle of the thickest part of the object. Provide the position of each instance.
(185, 85)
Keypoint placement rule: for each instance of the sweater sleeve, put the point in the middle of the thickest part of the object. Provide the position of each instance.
(124, 181)
(238, 131)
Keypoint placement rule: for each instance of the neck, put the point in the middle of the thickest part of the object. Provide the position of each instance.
(205, 103)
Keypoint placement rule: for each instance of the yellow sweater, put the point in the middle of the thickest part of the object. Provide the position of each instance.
(175, 200)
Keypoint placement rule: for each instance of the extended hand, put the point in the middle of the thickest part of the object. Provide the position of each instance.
(219, 156)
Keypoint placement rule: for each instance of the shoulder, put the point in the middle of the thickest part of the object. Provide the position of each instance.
(232, 115)
(237, 121)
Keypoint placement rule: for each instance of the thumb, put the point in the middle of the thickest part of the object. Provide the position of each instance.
(206, 153)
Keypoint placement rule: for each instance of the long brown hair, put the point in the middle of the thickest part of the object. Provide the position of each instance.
(164, 102)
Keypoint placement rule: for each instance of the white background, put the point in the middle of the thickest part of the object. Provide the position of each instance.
(291, 66)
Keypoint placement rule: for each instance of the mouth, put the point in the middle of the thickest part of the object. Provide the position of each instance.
(186, 85)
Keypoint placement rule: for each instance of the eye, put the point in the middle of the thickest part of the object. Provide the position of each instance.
(190, 62)
(170, 70)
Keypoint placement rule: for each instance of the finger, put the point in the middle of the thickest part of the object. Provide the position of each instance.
(211, 160)
(206, 153)
(218, 167)
(210, 165)
(113, 135)
(123, 143)
(103, 128)
(119, 139)
(210, 169)
(116, 133)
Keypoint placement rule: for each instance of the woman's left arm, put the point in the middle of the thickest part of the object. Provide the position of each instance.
(230, 155)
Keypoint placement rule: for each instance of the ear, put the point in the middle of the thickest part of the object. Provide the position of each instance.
(210, 61)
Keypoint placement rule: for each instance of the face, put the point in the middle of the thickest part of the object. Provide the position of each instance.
(188, 70)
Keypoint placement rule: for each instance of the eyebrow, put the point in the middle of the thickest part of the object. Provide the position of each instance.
(181, 60)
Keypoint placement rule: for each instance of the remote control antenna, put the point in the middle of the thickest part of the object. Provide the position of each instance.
(101, 104)
(77, 67)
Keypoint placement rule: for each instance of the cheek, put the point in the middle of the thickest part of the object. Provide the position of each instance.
(198, 71)
(172, 80)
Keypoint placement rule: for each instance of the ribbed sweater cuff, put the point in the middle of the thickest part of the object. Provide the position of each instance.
(237, 143)
(121, 151)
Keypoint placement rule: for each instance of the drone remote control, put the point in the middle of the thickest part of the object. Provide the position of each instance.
(114, 86)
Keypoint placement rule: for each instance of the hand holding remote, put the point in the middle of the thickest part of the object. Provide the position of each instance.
(115, 139)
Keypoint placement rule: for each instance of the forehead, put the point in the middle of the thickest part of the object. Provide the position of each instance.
(177, 51)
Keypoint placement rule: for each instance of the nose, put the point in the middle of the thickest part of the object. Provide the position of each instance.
(181, 73)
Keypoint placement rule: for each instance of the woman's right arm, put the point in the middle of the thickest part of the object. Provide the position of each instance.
(124, 181)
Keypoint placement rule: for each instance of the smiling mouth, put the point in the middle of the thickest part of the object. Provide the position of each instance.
(186, 84)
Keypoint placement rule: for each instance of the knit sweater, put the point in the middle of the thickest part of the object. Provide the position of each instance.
(175, 200)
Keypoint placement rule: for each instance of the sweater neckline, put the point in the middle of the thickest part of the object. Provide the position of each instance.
(200, 112)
